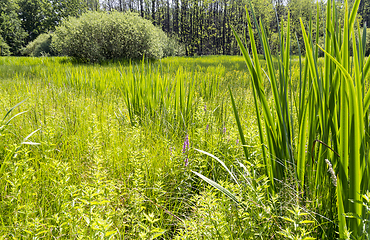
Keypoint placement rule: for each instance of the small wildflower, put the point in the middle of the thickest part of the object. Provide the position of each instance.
(185, 149)
(205, 107)
(207, 127)
(237, 141)
(186, 144)
(224, 130)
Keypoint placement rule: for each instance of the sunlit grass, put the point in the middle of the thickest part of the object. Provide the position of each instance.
(113, 160)
(99, 171)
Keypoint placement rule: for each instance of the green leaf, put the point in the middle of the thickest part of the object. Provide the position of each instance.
(306, 221)
(218, 187)
(221, 162)
(240, 129)
(107, 234)
(288, 219)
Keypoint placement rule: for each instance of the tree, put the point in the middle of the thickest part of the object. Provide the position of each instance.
(32, 15)
(41, 16)
(204, 26)
(11, 26)
(305, 10)
(4, 48)
(364, 11)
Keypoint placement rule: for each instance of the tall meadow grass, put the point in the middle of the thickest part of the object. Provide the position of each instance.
(97, 152)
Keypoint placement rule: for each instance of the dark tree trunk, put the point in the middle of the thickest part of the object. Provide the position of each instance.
(224, 30)
(153, 11)
(141, 8)
(176, 18)
(168, 17)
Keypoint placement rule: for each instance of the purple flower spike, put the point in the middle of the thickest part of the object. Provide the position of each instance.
(185, 149)
(207, 127)
(237, 141)
(186, 144)
(205, 107)
(224, 130)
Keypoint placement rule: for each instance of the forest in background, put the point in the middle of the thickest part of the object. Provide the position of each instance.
(204, 27)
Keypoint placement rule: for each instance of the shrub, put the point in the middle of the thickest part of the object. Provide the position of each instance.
(99, 36)
(4, 48)
(172, 46)
(41, 46)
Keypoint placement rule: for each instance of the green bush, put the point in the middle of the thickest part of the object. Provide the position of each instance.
(172, 46)
(41, 46)
(4, 48)
(99, 36)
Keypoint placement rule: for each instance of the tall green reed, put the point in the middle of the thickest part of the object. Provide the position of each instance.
(331, 114)
(153, 92)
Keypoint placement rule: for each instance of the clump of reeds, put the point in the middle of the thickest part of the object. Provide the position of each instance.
(332, 106)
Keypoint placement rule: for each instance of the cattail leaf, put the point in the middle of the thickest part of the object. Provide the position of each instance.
(240, 129)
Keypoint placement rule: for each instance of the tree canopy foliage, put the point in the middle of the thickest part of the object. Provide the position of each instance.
(11, 25)
(22, 21)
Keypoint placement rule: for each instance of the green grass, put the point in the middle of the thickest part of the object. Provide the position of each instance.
(98, 170)
(109, 160)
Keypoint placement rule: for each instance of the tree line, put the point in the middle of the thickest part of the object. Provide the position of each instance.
(202, 26)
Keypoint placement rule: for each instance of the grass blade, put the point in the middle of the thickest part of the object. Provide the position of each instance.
(218, 187)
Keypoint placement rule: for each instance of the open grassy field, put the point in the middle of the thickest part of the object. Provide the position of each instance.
(113, 146)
